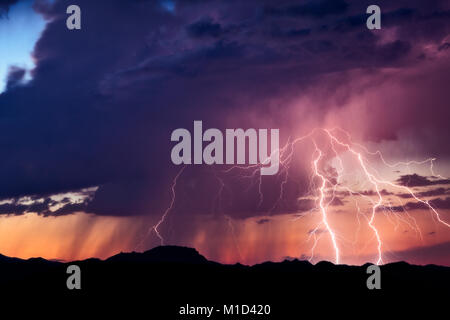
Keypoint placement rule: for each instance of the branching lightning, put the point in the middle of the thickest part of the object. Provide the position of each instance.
(327, 180)
(156, 226)
(322, 205)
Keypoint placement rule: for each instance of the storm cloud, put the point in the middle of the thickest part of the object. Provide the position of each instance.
(104, 100)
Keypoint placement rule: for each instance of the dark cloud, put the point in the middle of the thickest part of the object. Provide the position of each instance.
(437, 203)
(415, 180)
(314, 9)
(435, 254)
(394, 50)
(205, 28)
(12, 208)
(428, 193)
(398, 15)
(14, 77)
(263, 221)
(104, 99)
(18, 208)
(317, 231)
(334, 201)
(40, 207)
(69, 208)
(45, 206)
(128, 197)
(369, 193)
(306, 204)
(298, 32)
(4, 7)
(444, 46)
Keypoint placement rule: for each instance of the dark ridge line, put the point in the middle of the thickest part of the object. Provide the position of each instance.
(181, 254)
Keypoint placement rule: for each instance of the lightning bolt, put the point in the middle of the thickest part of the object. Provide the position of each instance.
(371, 176)
(156, 226)
(172, 202)
(325, 192)
(322, 205)
(231, 226)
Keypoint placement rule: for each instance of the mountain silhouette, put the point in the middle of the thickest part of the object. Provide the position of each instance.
(168, 277)
(172, 254)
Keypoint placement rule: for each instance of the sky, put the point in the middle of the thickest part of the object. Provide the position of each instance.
(86, 118)
(20, 28)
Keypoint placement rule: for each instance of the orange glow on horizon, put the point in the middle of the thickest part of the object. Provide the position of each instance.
(80, 236)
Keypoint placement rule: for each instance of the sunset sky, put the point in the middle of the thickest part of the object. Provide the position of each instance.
(86, 118)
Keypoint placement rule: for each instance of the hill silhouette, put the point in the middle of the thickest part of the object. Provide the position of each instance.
(168, 254)
(166, 278)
